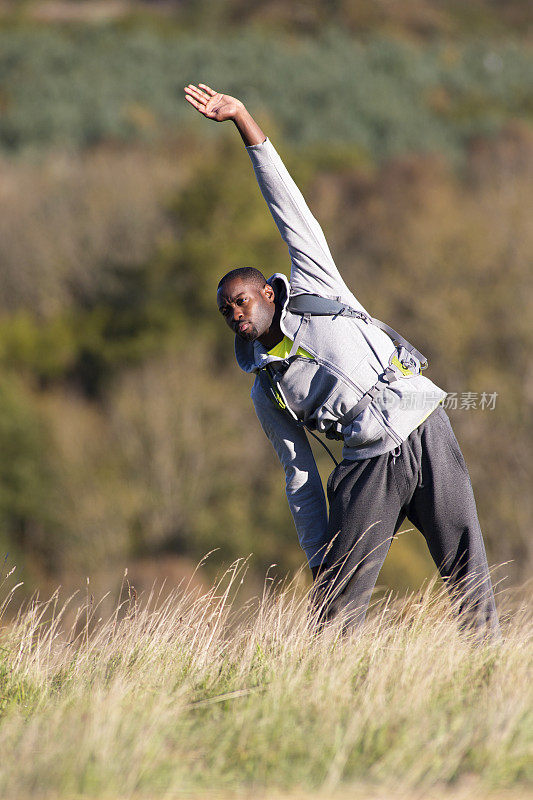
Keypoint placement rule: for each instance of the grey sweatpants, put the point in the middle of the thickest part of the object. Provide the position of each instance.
(426, 480)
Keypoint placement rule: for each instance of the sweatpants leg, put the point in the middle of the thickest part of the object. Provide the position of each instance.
(443, 509)
(427, 480)
(365, 510)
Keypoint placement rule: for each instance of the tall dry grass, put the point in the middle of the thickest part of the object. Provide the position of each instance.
(196, 694)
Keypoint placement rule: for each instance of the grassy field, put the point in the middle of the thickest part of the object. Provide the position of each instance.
(195, 694)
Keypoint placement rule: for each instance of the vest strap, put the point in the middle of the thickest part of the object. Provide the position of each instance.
(315, 305)
(299, 334)
(388, 377)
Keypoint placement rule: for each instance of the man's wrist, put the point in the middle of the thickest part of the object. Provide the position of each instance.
(248, 128)
(242, 115)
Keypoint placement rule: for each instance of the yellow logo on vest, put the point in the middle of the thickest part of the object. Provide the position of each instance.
(395, 362)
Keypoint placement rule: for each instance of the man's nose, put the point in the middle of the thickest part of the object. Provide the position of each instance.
(237, 313)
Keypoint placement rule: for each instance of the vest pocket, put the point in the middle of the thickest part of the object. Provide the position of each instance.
(306, 386)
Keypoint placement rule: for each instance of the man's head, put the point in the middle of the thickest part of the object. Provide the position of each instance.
(247, 302)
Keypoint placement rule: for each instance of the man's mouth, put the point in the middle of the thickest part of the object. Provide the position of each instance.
(246, 331)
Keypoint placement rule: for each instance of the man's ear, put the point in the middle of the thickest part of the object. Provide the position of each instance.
(268, 292)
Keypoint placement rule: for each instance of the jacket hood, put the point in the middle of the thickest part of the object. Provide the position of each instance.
(252, 355)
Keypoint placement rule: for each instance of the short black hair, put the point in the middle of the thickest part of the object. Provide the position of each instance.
(250, 274)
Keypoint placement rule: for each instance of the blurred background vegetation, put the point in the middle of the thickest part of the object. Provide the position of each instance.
(126, 431)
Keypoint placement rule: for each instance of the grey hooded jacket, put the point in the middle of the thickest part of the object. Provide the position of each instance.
(348, 357)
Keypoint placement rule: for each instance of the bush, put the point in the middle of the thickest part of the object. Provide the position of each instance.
(30, 522)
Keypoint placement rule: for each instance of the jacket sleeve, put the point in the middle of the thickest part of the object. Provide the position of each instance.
(302, 480)
(312, 267)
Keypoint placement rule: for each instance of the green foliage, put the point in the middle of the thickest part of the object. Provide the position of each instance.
(29, 520)
(43, 349)
(78, 87)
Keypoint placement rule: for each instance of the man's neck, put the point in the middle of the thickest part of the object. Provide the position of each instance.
(272, 337)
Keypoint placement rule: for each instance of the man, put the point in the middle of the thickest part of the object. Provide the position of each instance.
(330, 367)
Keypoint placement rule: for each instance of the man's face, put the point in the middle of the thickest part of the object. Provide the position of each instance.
(247, 309)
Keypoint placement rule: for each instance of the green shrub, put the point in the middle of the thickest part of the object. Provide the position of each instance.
(30, 528)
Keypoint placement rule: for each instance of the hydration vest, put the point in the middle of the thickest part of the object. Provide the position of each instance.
(405, 362)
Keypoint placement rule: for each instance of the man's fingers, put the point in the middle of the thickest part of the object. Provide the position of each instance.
(207, 89)
(192, 95)
(195, 103)
(202, 101)
(196, 93)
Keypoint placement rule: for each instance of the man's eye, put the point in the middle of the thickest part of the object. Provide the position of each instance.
(241, 300)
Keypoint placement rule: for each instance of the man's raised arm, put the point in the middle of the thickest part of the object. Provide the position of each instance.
(313, 269)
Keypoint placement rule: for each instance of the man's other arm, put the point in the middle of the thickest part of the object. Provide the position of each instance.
(302, 480)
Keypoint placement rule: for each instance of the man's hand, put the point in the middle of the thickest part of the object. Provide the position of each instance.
(222, 107)
(211, 104)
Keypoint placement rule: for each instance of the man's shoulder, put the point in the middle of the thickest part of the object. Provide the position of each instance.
(257, 394)
(270, 414)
